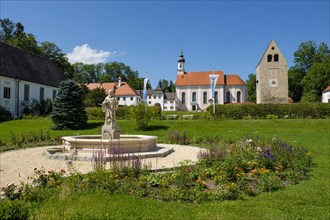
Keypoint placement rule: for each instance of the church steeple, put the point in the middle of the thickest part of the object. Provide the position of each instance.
(181, 61)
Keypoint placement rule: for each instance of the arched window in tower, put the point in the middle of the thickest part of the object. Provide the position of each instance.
(269, 58)
(238, 98)
(276, 58)
(227, 97)
(183, 98)
(204, 97)
(216, 99)
(193, 97)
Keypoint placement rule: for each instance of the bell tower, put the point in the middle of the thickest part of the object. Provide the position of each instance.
(181, 61)
(272, 76)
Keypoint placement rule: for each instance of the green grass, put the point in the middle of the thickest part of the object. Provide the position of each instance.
(307, 200)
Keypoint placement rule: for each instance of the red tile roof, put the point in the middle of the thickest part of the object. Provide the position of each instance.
(123, 90)
(327, 89)
(202, 78)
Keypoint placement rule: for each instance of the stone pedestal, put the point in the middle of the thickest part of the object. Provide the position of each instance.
(110, 132)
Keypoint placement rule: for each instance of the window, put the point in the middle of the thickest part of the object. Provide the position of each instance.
(269, 58)
(131, 98)
(118, 98)
(54, 94)
(6, 92)
(154, 97)
(193, 97)
(227, 97)
(216, 99)
(149, 96)
(41, 94)
(204, 97)
(26, 92)
(238, 98)
(149, 102)
(183, 98)
(124, 98)
(276, 58)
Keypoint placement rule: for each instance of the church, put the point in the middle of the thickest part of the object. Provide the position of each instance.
(194, 93)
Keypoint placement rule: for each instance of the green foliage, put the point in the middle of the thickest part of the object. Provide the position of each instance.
(251, 84)
(114, 70)
(295, 76)
(68, 108)
(27, 140)
(141, 114)
(5, 115)
(252, 111)
(166, 86)
(306, 80)
(316, 80)
(95, 97)
(14, 209)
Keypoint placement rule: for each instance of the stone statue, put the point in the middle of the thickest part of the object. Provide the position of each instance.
(109, 106)
(110, 128)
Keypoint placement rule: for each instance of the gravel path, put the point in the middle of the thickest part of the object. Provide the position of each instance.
(18, 165)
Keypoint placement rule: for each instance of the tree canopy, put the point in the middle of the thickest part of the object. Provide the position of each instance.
(308, 77)
(251, 84)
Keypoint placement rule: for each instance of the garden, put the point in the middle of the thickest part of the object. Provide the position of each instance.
(275, 168)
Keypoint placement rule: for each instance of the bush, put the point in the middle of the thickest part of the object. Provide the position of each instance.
(142, 115)
(270, 111)
(5, 115)
(14, 209)
(95, 113)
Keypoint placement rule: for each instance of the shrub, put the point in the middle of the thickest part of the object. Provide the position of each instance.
(14, 209)
(270, 111)
(5, 115)
(142, 115)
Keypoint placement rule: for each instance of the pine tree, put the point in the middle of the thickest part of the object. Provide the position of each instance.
(68, 107)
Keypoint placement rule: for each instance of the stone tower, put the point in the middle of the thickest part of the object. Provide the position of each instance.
(272, 76)
(181, 61)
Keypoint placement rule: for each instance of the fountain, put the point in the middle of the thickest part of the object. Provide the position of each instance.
(82, 147)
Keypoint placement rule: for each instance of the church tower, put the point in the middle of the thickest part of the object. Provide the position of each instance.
(181, 61)
(272, 76)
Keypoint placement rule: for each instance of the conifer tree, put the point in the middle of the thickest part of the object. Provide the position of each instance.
(68, 107)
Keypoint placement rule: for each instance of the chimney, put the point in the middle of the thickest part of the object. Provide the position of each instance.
(119, 81)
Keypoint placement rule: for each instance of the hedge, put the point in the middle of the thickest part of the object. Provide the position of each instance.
(5, 115)
(262, 111)
(122, 112)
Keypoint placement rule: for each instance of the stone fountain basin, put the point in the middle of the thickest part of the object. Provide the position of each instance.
(126, 143)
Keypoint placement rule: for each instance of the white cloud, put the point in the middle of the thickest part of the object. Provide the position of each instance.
(87, 55)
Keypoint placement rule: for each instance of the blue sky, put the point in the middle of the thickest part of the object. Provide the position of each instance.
(148, 35)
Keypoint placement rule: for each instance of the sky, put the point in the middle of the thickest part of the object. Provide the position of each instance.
(148, 35)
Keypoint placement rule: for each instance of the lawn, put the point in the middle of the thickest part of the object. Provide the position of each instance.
(307, 200)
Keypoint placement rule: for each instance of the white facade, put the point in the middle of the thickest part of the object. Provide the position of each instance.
(128, 100)
(170, 105)
(14, 92)
(326, 96)
(197, 97)
(156, 100)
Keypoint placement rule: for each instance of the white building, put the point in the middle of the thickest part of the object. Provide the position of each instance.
(170, 102)
(125, 94)
(193, 90)
(25, 77)
(326, 95)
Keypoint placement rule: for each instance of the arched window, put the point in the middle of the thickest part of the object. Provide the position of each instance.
(238, 98)
(276, 58)
(183, 98)
(216, 99)
(227, 97)
(204, 97)
(193, 97)
(269, 58)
